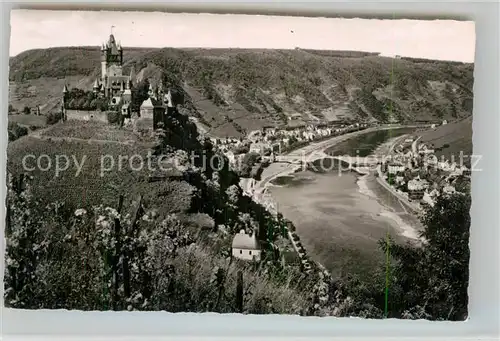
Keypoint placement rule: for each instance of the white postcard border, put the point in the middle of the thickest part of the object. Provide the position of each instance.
(485, 211)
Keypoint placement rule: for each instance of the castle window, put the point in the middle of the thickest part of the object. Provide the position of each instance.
(241, 251)
(250, 252)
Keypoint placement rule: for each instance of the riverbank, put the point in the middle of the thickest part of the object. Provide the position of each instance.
(395, 212)
(341, 217)
(272, 171)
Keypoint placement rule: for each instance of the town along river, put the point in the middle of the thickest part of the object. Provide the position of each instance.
(341, 216)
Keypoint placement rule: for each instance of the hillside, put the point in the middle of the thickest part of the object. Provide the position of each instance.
(452, 139)
(177, 237)
(232, 91)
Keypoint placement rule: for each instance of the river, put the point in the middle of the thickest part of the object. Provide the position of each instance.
(341, 216)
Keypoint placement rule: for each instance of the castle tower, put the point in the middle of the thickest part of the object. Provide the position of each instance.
(111, 67)
(127, 94)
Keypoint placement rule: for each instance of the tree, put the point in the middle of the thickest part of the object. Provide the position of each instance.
(432, 280)
(139, 95)
(26, 110)
(247, 163)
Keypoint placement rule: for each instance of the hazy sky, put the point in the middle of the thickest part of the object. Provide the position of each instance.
(437, 39)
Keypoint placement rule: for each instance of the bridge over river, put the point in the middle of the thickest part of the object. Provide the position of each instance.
(353, 161)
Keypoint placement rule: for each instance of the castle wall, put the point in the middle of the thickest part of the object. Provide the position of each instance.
(90, 115)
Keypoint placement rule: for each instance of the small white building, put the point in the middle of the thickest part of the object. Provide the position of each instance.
(434, 193)
(231, 157)
(417, 184)
(427, 198)
(246, 246)
(394, 168)
(400, 180)
(449, 189)
(416, 188)
(445, 122)
(259, 148)
(431, 160)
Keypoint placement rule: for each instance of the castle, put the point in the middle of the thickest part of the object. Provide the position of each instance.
(116, 87)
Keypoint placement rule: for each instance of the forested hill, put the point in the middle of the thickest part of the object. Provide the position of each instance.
(248, 88)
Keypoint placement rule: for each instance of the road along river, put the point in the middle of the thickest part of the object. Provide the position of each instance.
(341, 216)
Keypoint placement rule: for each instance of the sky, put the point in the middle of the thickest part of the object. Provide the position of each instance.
(435, 39)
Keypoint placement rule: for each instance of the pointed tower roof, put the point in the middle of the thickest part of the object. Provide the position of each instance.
(96, 84)
(65, 89)
(112, 44)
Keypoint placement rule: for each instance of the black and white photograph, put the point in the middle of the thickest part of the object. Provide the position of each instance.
(231, 163)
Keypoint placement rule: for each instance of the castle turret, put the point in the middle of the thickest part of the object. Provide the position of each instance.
(127, 94)
(96, 86)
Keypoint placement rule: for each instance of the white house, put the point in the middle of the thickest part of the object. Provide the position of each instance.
(449, 189)
(246, 246)
(445, 166)
(230, 156)
(429, 199)
(394, 168)
(258, 148)
(445, 122)
(417, 184)
(434, 193)
(416, 188)
(431, 160)
(400, 180)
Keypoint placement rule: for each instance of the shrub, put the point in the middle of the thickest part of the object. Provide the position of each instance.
(114, 117)
(242, 149)
(53, 118)
(16, 131)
